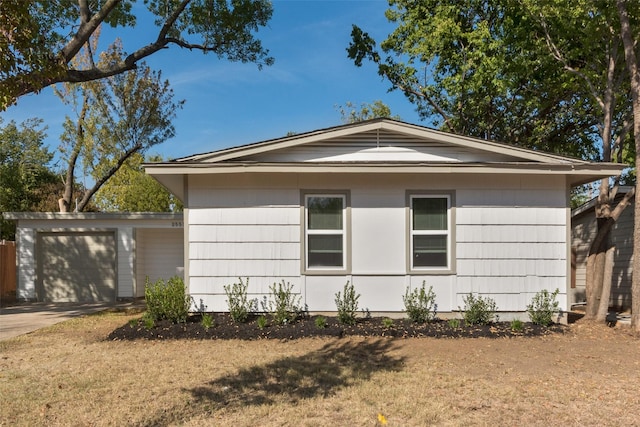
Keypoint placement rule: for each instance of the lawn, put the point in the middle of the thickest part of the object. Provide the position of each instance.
(70, 374)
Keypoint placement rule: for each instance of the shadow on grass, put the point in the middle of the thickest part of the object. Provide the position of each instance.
(319, 373)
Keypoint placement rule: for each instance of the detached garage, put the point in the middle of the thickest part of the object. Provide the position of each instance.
(94, 257)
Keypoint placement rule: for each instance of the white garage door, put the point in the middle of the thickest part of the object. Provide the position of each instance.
(159, 255)
(76, 266)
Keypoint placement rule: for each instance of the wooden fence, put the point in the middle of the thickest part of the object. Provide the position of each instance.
(7, 271)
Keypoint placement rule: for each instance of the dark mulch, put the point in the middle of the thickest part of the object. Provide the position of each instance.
(225, 328)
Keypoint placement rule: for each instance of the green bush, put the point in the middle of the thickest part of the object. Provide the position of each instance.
(148, 322)
(478, 310)
(238, 302)
(420, 304)
(207, 321)
(517, 325)
(543, 307)
(454, 323)
(387, 322)
(283, 305)
(167, 300)
(262, 322)
(347, 305)
(321, 322)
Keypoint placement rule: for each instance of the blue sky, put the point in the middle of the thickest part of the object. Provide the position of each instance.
(230, 104)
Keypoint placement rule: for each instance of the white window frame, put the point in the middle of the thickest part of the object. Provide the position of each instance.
(448, 232)
(343, 232)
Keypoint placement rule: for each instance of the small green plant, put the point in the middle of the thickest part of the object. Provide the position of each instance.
(239, 304)
(454, 323)
(284, 305)
(207, 321)
(543, 307)
(478, 310)
(262, 322)
(148, 321)
(133, 323)
(347, 305)
(321, 322)
(517, 325)
(387, 322)
(420, 304)
(167, 300)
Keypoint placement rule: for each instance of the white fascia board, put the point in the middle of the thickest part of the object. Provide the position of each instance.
(91, 215)
(577, 173)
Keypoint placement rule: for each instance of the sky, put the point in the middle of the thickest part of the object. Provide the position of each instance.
(230, 104)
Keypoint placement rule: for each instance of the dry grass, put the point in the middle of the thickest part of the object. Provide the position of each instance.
(69, 375)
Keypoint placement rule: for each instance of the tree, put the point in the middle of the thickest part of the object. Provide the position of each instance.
(547, 76)
(473, 68)
(131, 190)
(23, 170)
(630, 34)
(40, 38)
(349, 114)
(116, 118)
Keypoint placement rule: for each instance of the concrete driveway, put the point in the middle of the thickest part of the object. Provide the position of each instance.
(27, 317)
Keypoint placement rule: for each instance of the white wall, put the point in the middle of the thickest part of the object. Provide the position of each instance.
(510, 238)
(127, 264)
(159, 255)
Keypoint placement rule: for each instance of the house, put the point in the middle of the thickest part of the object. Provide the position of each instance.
(583, 231)
(383, 204)
(94, 257)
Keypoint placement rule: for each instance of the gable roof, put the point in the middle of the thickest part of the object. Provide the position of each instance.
(378, 146)
(373, 130)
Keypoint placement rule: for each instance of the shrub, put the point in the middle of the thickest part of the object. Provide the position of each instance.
(167, 300)
(207, 321)
(454, 323)
(321, 322)
(543, 307)
(148, 321)
(387, 322)
(517, 325)
(478, 310)
(420, 304)
(284, 304)
(347, 305)
(262, 322)
(239, 304)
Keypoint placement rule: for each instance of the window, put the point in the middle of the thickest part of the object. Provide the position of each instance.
(325, 221)
(430, 231)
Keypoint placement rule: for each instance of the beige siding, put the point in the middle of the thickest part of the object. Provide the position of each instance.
(583, 233)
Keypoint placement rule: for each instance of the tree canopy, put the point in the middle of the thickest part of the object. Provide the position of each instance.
(115, 118)
(477, 68)
(40, 38)
(23, 169)
(350, 114)
(130, 189)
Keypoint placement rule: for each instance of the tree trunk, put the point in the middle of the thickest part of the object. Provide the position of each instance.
(69, 184)
(596, 261)
(603, 309)
(632, 67)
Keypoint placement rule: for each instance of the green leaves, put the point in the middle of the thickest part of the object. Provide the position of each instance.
(42, 37)
(484, 68)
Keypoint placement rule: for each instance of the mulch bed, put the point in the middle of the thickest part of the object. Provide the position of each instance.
(225, 328)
